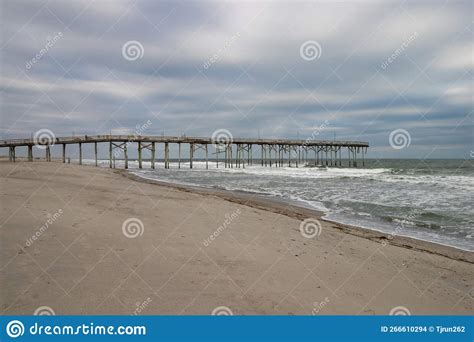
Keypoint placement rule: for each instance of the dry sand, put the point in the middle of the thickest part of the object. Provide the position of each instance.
(258, 263)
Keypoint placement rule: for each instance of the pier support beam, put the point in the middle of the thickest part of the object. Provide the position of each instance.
(48, 153)
(11, 153)
(139, 155)
(179, 155)
(110, 154)
(355, 156)
(125, 154)
(289, 155)
(238, 155)
(64, 153)
(153, 155)
(225, 156)
(270, 155)
(95, 154)
(191, 154)
(297, 158)
(167, 155)
(80, 153)
(249, 154)
(30, 153)
(349, 156)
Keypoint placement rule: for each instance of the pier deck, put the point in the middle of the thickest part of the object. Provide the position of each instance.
(273, 152)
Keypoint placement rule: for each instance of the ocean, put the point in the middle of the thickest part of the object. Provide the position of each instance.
(425, 199)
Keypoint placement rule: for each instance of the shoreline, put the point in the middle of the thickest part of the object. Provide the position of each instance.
(299, 212)
(199, 249)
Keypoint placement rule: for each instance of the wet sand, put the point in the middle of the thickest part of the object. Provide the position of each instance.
(198, 250)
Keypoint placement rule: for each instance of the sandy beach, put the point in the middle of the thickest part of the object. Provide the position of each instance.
(63, 245)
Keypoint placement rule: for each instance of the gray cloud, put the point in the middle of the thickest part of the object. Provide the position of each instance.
(383, 66)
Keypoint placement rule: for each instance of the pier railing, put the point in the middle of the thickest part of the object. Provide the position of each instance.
(274, 152)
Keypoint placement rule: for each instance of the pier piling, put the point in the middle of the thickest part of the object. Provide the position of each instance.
(153, 155)
(95, 154)
(272, 151)
(30, 153)
(80, 153)
(125, 154)
(139, 148)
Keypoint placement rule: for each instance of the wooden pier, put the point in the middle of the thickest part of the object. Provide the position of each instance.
(236, 152)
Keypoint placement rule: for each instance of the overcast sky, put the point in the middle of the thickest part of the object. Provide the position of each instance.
(358, 70)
